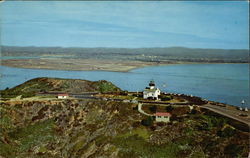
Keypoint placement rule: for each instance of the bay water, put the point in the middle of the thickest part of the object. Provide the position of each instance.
(225, 83)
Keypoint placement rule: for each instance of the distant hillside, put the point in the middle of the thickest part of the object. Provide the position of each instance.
(31, 87)
(140, 54)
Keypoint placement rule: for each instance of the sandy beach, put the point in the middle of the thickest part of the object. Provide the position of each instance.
(79, 64)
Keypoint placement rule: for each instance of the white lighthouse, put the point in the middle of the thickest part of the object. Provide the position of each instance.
(151, 92)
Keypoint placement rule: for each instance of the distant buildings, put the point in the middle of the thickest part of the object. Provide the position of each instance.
(62, 96)
(162, 116)
(151, 92)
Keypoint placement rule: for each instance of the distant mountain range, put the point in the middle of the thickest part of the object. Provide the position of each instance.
(141, 54)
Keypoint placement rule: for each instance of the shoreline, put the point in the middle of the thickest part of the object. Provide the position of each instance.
(91, 64)
(124, 72)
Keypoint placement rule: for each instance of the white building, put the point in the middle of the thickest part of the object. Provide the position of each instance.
(162, 116)
(151, 92)
(62, 96)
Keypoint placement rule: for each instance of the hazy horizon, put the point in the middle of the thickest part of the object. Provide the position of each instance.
(160, 24)
(122, 47)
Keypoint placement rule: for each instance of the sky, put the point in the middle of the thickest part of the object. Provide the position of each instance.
(209, 24)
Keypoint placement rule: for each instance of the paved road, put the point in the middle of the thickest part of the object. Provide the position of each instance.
(231, 113)
(225, 111)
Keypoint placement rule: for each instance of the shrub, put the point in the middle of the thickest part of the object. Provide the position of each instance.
(124, 92)
(227, 132)
(104, 87)
(135, 107)
(28, 94)
(166, 98)
(233, 150)
(153, 108)
(169, 108)
(218, 122)
(204, 126)
(148, 121)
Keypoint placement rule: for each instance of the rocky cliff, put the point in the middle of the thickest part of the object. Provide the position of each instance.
(87, 128)
(74, 128)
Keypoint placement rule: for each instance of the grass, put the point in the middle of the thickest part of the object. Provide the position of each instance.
(129, 97)
(27, 137)
(140, 131)
(136, 146)
(104, 87)
(27, 89)
(31, 87)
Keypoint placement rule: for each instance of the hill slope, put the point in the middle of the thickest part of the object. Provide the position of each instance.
(87, 128)
(72, 128)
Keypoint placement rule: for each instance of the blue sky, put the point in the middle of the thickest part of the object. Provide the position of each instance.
(126, 24)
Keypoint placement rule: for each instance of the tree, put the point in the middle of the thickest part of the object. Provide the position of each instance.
(153, 108)
(148, 121)
(169, 108)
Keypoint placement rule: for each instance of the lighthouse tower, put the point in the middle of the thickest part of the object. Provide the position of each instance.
(151, 85)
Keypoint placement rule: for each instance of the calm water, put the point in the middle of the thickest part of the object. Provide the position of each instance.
(227, 83)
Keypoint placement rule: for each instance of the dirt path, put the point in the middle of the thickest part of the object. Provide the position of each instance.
(141, 111)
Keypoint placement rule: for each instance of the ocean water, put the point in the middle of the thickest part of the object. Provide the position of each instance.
(226, 83)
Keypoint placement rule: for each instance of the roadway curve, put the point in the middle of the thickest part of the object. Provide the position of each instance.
(141, 111)
(229, 112)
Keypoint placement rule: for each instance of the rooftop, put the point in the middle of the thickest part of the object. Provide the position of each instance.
(162, 114)
(64, 94)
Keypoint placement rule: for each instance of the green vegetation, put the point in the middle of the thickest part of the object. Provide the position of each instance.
(32, 87)
(169, 108)
(208, 122)
(166, 98)
(6, 123)
(128, 97)
(234, 150)
(124, 93)
(93, 128)
(136, 146)
(27, 137)
(153, 108)
(148, 121)
(138, 54)
(226, 132)
(104, 86)
(140, 131)
(27, 89)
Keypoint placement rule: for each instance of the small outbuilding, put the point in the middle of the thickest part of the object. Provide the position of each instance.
(162, 116)
(63, 96)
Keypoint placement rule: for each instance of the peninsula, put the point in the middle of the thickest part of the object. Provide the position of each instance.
(52, 117)
(113, 59)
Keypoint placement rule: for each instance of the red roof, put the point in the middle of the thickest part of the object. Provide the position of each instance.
(62, 94)
(162, 114)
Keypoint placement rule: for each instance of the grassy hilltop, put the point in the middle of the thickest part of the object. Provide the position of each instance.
(31, 87)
